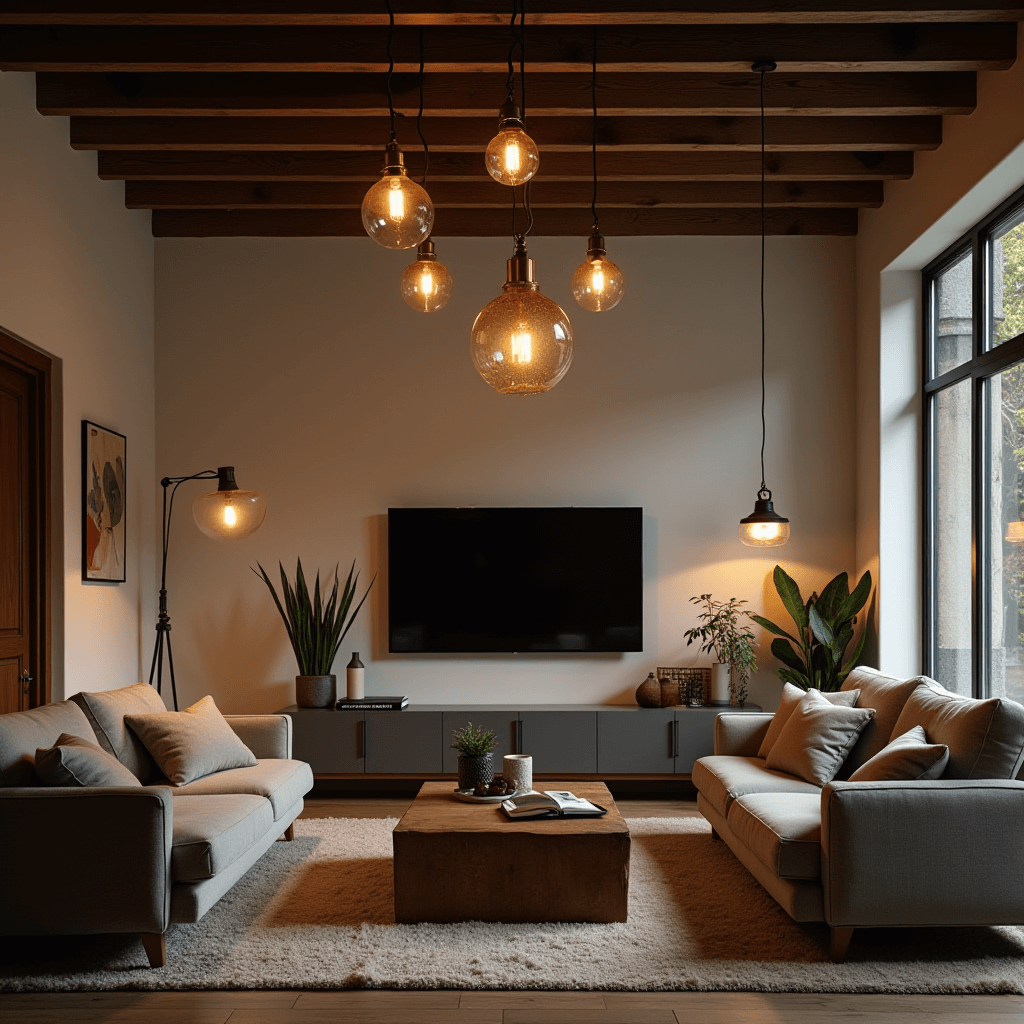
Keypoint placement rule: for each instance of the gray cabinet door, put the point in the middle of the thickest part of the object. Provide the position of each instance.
(637, 742)
(330, 741)
(696, 736)
(560, 741)
(501, 723)
(403, 742)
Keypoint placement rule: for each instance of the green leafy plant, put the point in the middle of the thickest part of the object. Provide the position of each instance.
(824, 630)
(722, 632)
(472, 741)
(316, 625)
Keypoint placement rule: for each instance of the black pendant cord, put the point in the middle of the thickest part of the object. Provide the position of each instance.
(522, 58)
(519, 9)
(391, 68)
(593, 139)
(763, 424)
(419, 119)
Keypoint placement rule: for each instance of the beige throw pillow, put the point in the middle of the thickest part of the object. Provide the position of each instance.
(189, 744)
(791, 697)
(909, 757)
(816, 739)
(72, 761)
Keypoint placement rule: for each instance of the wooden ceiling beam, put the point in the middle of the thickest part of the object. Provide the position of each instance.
(164, 165)
(190, 94)
(491, 12)
(486, 194)
(552, 134)
(932, 46)
(488, 223)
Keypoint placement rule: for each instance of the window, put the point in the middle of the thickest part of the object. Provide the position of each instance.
(974, 459)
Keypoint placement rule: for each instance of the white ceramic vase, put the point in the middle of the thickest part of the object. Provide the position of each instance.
(720, 693)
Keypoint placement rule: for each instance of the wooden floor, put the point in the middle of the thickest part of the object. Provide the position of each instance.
(362, 1007)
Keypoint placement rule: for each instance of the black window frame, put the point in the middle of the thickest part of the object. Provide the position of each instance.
(985, 362)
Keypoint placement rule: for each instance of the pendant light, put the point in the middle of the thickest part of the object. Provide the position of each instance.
(512, 157)
(597, 284)
(397, 213)
(764, 527)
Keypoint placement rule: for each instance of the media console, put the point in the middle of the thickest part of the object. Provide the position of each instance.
(606, 741)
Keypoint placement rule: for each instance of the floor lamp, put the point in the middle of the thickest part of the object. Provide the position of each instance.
(225, 512)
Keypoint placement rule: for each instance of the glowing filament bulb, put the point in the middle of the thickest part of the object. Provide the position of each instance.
(230, 519)
(396, 200)
(427, 283)
(598, 281)
(522, 347)
(512, 157)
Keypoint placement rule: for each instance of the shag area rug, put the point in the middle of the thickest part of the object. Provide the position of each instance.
(318, 913)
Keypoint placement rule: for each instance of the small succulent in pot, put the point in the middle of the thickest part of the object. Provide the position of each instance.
(475, 746)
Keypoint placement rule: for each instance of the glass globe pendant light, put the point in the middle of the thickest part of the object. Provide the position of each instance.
(764, 527)
(521, 342)
(229, 511)
(426, 283)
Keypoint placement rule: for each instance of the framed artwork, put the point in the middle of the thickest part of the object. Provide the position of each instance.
(103, 503)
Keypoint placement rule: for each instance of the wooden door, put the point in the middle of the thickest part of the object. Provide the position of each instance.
(24, 525)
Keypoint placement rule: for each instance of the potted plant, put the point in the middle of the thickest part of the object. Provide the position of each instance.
(316, 627)
(824, 630)
(475, 746)
(722, 632)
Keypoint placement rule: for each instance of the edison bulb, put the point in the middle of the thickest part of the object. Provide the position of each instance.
(397, 213)
(233, 513)
(426, 283)
(764, 527)
(512, 156)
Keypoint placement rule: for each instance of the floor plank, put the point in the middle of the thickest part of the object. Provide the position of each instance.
(362, 1015)
(523, 1000)
(206, 999)
(376, 1000)
(621, 1015)
(117, 1015)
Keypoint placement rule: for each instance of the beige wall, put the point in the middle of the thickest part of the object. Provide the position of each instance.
(297, 361)
(76, 280)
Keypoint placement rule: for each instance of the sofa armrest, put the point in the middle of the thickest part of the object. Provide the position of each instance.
(740, 734)
(264, 735)
(80, 861)
(947, 852)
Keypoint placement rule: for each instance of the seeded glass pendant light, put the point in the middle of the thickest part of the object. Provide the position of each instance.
(397, 213)
(512, 157)
(764, 527)
(597, 284)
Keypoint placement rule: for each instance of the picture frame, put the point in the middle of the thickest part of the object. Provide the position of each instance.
(104, 504)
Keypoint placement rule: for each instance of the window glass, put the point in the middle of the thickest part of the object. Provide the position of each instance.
(1008, 281)
(951, 537)
(953, 339)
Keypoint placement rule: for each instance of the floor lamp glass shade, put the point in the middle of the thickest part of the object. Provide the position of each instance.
(598, 284)
(764, 527)
(512, 157)
(397, 213)
(229, 511)
(521, 343)
(426, 284)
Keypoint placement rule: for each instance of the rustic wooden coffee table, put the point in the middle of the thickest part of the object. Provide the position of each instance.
(470, 862)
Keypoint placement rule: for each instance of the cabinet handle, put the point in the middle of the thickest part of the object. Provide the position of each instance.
(363, 725)
(675, 737)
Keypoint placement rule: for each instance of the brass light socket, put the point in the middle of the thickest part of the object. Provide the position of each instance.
(520, 266)
(394, 162)
(596, 250)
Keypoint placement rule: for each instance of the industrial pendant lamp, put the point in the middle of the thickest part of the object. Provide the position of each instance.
(597, 284)
(397, 213)
(512, 157)
(764, 527)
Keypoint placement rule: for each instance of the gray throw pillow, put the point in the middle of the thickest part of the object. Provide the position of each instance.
(909, 757)
(815, 741)
(189, 744)
(791, 697)
(72, 761)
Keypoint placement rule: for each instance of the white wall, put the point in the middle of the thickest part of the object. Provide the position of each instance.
(76, 280)
(297, 361)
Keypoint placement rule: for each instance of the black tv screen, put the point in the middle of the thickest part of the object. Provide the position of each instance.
(510, 580)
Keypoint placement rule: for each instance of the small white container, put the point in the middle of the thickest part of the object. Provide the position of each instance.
(355, 674)
(518, 769)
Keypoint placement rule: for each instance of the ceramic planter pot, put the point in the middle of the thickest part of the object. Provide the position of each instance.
(315, 691)
(475, 770)
(720, 693)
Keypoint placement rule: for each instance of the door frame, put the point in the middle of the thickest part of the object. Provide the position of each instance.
(39, 368)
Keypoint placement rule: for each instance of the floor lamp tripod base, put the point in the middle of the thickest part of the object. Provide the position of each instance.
(163, 642)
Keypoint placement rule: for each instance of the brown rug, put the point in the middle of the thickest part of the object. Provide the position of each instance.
(318, 913)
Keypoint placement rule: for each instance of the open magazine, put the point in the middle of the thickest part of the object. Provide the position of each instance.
(554, 803)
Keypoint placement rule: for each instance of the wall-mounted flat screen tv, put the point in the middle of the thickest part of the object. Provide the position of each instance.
(515, 580)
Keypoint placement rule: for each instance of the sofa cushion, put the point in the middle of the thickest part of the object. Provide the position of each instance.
(281, 782)
(908, 758)
(106, 711)
(790, 701)
(723, 778)
(192, 743)
(887, 695)
(22, 733)
(72, 761)
(783, 830)
(814, 742)
(212, 832)
(985, 737)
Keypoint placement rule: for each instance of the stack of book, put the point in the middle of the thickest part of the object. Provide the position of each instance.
(373, 703)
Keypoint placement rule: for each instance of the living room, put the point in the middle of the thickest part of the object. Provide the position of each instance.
(295, 360)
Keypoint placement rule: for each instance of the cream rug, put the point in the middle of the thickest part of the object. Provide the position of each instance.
(318, 913)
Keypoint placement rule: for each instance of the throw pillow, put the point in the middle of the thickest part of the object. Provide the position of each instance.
(791, 697)
(72, 761)
(909, 757)
(814, 742)
(192, 743)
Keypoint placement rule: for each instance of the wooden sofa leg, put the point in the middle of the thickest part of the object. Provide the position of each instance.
(156, 949)
(715, 836)
(839, 944)
(289, 832)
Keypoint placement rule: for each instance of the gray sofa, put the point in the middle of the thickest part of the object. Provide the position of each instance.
(881, 854)
(89, 860)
